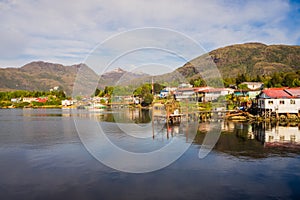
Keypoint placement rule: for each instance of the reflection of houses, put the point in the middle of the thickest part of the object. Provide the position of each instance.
(279, 100)
(282, 136)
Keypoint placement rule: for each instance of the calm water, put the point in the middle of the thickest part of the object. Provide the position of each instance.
(42, 157)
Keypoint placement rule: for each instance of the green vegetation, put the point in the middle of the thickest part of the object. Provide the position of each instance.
(276, 79)
(53, 98)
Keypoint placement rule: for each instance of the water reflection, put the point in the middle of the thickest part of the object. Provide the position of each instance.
(43, 158)
(252, 140)
(274, 134)
(255, 140)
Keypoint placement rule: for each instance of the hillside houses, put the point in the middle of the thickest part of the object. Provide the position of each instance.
(201, 94)
(208, 94)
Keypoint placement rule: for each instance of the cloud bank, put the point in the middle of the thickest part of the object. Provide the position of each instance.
(66, 31)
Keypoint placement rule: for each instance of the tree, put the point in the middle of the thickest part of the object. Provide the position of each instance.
(243, 86)
(197, 82)
(148, 98)
(97, 92)
(108, 90)
(258, 78)
(157, 88)
(240, 78)
(289, 78)
(276, 80)
(144, 92)
(296, 83)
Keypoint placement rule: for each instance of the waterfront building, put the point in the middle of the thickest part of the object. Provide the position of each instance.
(185, 93)
(208, 94)
(279, 101)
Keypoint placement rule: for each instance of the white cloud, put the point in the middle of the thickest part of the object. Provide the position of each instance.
(63, 30)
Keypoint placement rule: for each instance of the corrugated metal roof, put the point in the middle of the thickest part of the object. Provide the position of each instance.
(276, 93)
(295, 92)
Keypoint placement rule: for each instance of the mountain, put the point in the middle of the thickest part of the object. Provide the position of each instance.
(41, 75)
(249, 58)
(38, 76)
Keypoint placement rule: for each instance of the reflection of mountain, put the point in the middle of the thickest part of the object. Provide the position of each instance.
(253, 140)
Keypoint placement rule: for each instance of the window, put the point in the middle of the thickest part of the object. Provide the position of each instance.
(293, 101)
(271, 138)
(293, 138)
(281, 102)
(270, 102)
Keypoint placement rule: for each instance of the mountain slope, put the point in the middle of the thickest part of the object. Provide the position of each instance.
(44, 76)
(251, 58)
(38, 76)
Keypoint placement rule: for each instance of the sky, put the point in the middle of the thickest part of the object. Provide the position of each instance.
(66, 32)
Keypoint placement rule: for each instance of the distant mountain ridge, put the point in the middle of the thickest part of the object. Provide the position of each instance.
(41, 75)
(250, 58)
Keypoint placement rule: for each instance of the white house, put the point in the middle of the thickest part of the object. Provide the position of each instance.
(254, 85)
(185, 93)
(67, 102)
(167, 91)
(185, 85)
(29, 99)
(279, 100)
(211, 94)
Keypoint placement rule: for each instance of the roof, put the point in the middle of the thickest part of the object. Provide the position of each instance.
(276, 93)
(185, 89)
(253, 83)
(295, 92)
(200, 89)
(217, 90)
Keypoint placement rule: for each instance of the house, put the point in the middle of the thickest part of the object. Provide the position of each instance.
(167, 91)
(185, 85)
(279, 101)
(249, 94)
(15, 100)
(42, 99)
(67, 102)
(254, 85)
(29, 99)
(207, 94)
(185, 93)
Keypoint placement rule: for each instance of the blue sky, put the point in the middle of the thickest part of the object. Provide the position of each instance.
(67, 31)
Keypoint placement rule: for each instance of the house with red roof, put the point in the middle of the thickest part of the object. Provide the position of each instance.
(279, 101)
